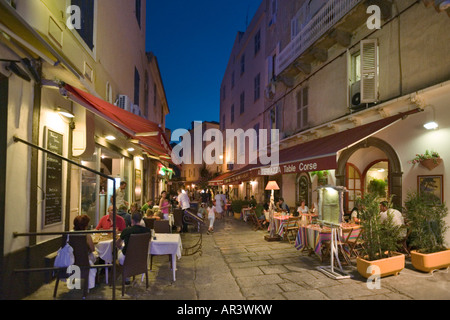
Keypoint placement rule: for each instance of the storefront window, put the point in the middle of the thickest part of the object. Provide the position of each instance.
(353, 186)
(89, 183)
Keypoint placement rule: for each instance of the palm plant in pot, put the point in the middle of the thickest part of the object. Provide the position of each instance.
(381, 241)
(426, 218)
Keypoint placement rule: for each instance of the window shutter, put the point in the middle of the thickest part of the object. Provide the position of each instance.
(269, 69)
(369, 70)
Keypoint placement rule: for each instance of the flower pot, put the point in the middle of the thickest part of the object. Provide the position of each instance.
(237, 215)
(430, 164)
(428, 262)
(388, 266)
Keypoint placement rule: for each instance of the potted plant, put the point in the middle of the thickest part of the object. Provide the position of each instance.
(381, 241)
(236, 206)
(426, 218)
(429, 159)
(378, 187)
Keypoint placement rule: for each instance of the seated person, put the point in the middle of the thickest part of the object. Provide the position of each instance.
(283, 205)
(106, 222)
(135, 228)
(397, 217)
(81, 223)
(125, 215)
(148, 205)
(302, 208)
(151, 214)
(354, 215)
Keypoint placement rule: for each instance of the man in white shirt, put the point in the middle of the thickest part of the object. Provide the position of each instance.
(397, 217)
(219, 204)
(183, 203)
(183, 200)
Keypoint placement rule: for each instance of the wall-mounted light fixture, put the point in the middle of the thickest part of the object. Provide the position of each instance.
(431, 125)
(110, 138)
(64, 113)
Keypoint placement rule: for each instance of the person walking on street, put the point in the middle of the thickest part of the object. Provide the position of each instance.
(211, 217)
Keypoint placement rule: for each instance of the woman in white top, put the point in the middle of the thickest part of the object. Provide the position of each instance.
(303, 209)
(211, 216)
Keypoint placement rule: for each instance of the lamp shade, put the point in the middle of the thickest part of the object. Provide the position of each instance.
(272, 185)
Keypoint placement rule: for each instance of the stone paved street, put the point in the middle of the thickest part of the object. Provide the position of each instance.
(238, 264)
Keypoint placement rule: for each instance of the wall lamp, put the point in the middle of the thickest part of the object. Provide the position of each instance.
(64, 113)
(431, 125)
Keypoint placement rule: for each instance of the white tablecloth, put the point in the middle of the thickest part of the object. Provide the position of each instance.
(167, 243)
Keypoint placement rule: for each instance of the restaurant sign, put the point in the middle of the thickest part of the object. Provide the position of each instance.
(326, 163)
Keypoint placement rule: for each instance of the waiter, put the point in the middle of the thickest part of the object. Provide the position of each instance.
(184, 204)
(120, 195)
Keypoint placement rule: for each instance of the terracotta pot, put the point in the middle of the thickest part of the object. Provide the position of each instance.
(388, 266)
(237, 215)
(430, 164)
(428, 262)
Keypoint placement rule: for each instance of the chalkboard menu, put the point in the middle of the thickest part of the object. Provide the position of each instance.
(53, 180)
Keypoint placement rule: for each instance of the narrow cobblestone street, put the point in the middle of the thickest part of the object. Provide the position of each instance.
(238, 264)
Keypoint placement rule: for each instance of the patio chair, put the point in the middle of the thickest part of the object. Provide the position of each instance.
(136, 258)
(256, 222)
(81, 254)
(291, 228)
(149, 222)
(161, 226)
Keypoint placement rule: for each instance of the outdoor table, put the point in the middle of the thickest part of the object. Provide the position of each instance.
(167, 244)
(245, 213)
(307, 217)
(280, 221)
(104, 247)
(313, 237)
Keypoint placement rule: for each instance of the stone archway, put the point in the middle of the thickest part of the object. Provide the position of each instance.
(395, 171)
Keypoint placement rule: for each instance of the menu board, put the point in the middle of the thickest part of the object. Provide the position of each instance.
(53, 180)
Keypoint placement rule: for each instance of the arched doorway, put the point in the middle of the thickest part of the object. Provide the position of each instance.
(303, 186)
(394, 167)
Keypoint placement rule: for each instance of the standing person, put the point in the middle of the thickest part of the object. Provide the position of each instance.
(184, 204)
(219, 210)
(164, 205)
(211, 217)
(120, 195)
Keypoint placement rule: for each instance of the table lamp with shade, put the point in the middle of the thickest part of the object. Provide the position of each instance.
(272, 185)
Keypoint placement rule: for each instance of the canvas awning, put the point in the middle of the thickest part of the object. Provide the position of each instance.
(146, 133)
(318, 154)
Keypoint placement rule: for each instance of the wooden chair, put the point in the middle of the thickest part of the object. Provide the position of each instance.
(257, 224)
(161, 226)
(136, 258)
(353, 241)
(149, 222)
(81, 253)
(291, 228)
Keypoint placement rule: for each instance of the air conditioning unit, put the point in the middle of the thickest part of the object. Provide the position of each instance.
(355, 96)
(124, 102)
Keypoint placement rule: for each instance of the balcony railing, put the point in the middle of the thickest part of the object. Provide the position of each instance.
(325, 18)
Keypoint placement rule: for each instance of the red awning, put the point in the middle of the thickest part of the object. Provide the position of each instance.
(318, 154)
(149, 134)
(218, 181)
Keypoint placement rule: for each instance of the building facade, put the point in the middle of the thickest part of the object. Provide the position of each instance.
(351, 89)
(87, 59)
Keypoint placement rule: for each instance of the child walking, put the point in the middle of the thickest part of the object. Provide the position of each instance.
(211, 216)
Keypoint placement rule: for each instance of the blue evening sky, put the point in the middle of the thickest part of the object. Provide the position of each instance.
(192, 40)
